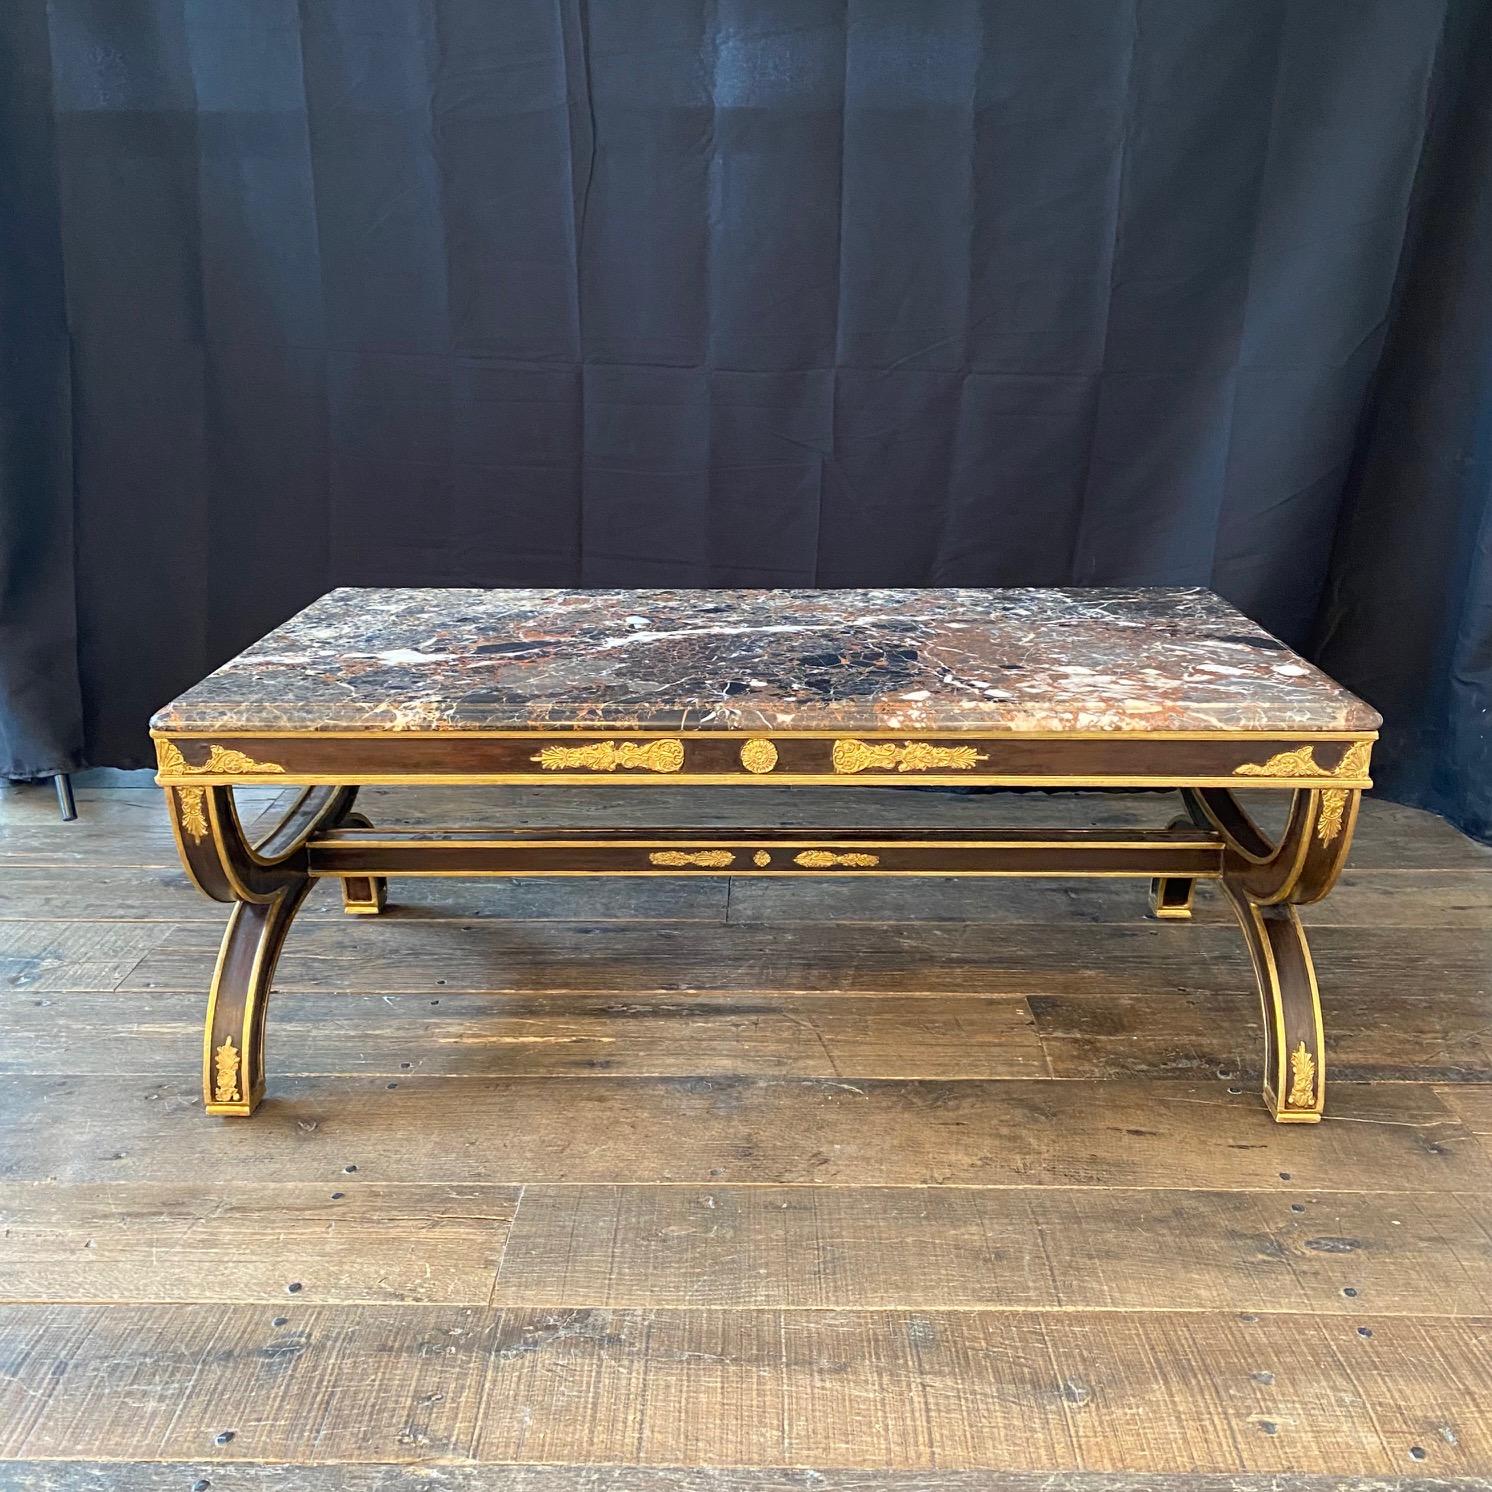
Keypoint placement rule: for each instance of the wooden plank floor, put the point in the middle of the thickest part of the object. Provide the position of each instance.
(573, 1186)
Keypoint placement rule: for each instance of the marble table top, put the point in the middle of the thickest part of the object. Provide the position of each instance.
(854, 660)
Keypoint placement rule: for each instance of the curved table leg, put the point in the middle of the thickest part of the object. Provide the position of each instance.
(233, 1042)
(1294, 1042)
(363, 896)
(1264, 881)
(266, 881)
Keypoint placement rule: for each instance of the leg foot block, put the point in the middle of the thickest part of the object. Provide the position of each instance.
(1171, 898)
(364, 896)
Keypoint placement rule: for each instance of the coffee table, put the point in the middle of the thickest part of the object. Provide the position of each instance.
(1146, 688)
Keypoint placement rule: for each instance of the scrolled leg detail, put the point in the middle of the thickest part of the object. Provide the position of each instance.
(266, 881)
(1265, 880)
(1294, 1041)
(233, 1045)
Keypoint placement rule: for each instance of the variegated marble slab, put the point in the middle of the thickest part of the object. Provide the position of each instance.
(851, 660)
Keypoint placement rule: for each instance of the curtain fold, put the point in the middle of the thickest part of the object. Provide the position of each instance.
(41, 729)
(770, 292)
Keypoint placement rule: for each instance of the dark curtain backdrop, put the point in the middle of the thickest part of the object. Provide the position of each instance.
(744, 292)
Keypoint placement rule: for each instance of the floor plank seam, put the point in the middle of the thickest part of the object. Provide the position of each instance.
(502, 1256)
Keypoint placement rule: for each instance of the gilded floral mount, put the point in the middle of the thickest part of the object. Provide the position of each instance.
(226, 1062)
(704, 859)
(851, 756)
(1302, 1093)
(221, 762)
(607, 756)
(1301, 762)
(1333, 809)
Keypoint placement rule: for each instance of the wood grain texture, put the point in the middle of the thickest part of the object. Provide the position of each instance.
(789, 1203)
(1409, 1034)
(463, 1131)
(393, 955)
(763, 1034)
(1473, 1105)
(350, 1241)
(115, 827)
(43, 957)
(902, 1390)
(247, 1476)
(1017, 1248)
(1363, 898)
(341, 1241)
(118, 893)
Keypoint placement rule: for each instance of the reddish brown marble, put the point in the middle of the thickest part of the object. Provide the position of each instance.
(865, 660)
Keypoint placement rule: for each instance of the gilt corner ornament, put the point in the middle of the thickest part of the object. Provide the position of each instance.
(1301, 762)
(717, 859)
(758, 755)
(606, 756)
(1302, 1079)
(221, 761)
(851, 756)
(226, 1061)
(1355, 758)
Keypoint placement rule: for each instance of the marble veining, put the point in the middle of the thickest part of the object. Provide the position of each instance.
(920, 661)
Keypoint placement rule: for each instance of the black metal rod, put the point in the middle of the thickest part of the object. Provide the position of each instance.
(65, 804)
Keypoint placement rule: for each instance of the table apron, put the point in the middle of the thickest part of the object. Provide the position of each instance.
(1115, 759)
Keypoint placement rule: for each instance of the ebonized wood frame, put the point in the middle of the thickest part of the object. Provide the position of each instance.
(320, 835)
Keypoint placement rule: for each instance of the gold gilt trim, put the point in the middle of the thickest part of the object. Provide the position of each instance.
(221, 762)
(852, 756)
(226, 1064)
(1302, 1079)
(822, 859)
(666, 755)
(1302, 762)
(1329, 821)
(719, 858)
(192, 801)
(761, 859)
(758, 755)
(1354, 762)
